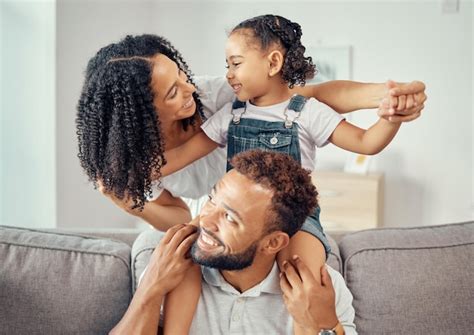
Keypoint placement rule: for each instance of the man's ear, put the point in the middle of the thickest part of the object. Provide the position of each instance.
(274, 242)
(275, 59)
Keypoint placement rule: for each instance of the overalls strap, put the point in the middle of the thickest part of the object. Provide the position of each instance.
(296, 105)
(236, 115)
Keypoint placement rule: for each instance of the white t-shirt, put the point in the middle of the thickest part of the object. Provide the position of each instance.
(316, 123)
(196, 180)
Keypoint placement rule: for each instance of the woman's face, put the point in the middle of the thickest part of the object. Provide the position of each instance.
(173, 97)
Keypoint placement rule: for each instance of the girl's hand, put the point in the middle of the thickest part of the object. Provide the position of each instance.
(403, 102)
(170, 262)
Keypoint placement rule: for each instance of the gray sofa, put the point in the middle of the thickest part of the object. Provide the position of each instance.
(406, 280)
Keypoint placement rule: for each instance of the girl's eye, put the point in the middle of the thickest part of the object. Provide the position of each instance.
(229, 218)
(233, 65)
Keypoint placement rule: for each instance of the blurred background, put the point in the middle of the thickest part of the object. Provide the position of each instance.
(45, 45)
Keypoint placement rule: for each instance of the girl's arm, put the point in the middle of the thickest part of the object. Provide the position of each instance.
(346, 96)
(196, 147)
(367, 142)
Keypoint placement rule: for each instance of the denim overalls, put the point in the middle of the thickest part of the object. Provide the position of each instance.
(245, 134)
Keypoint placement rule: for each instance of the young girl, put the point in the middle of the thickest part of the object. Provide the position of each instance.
(265, 59)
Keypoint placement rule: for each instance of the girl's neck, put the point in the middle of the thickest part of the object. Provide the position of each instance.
(277, 93)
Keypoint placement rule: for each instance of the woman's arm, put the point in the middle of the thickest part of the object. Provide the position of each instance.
(178, 158)
(367, 142)
(162, 213)
(404, 99)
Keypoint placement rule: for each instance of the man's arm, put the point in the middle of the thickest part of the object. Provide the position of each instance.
(167, 267)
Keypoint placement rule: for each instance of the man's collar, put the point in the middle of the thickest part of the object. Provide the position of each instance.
(271, 283)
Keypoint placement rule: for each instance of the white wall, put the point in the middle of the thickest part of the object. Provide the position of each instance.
(28, 170)
(428, 167)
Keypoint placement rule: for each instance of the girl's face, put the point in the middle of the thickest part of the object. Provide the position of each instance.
(248, 68)
(173, 97)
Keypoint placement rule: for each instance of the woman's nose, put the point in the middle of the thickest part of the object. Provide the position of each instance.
(190, 88)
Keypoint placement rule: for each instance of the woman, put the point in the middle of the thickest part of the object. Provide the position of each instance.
(139, 96)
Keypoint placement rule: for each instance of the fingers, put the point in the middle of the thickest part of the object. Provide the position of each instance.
(407, 88)
(325, 277)
(170, 233)
(195, 221)
(291, 274)
(410, 103)
(285, 285)
(406, 118)
(304, 272)
(184, 247)
(179, 236)
(401, 102)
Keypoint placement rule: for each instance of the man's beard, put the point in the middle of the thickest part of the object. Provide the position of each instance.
(224, 261)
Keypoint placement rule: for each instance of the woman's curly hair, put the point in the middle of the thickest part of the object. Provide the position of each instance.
(270, 29)
(118, 129)
(294, 194)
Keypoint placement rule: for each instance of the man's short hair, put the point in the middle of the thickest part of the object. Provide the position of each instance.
(294, 195)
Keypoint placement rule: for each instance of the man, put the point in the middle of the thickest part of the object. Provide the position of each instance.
(250, 216)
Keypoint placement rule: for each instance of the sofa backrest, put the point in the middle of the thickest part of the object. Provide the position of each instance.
(53, 283)
(412, 280)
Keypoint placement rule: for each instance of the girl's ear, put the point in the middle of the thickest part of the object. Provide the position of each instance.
(274, 242)
(276, 60)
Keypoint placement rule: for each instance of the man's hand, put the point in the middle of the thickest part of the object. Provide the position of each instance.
(170, 262)
(312, 305)
(403, 101)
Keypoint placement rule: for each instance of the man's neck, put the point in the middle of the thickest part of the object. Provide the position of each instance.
(245, 279)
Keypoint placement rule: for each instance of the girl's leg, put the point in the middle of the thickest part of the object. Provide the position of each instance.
(181, 303)
(310, 243)
(308, 248)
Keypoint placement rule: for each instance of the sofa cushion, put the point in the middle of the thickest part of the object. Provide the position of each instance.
(412, 280)
(146, 242)
(53, 283)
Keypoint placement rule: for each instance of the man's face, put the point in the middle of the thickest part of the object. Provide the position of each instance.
(232, 223)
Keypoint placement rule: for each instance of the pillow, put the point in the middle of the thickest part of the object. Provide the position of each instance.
(54, 283)
(412, 280)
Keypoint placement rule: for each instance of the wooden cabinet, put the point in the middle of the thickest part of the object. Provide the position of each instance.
(349, 201)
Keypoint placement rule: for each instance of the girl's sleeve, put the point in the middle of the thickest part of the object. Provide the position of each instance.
(323, 120)
(216, 127)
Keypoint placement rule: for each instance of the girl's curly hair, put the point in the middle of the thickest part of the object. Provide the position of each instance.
(270, 29)
(117, 125)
